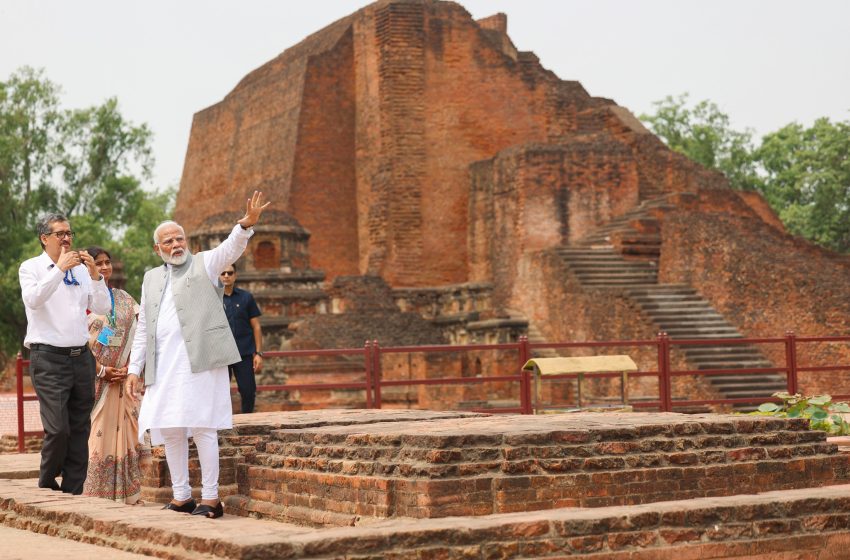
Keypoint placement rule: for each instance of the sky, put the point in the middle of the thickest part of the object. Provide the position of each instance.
(765, 63)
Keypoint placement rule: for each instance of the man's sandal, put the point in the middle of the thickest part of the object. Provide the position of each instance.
(188, 507)
(211, 512)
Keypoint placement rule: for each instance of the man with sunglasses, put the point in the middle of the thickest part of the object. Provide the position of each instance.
(182, 348)
(244, 318)
(57, 287)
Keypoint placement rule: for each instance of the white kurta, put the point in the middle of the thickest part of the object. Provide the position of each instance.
(181, 398)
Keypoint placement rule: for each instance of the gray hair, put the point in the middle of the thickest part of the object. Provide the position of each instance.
(43, 227)
(164, 224)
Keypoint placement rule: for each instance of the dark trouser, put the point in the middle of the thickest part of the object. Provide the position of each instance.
(65, 388)
(244, 372)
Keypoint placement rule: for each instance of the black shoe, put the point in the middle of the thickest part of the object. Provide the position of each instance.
(188, 507)
(209, 511)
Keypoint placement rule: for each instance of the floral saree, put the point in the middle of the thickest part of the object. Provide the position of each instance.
(115, 455)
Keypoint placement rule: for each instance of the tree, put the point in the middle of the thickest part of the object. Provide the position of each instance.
(704, 134)
(807, 180)
(804, 173)
(86, 163)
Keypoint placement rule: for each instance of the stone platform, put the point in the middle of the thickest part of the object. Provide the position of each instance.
(805, 524)
(415, 484)
(357, 468)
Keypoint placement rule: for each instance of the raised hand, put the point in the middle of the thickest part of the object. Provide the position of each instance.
(253, 210)
(68, 260)
(89, 262)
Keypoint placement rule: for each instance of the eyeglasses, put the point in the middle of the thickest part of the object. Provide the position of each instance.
(171, 241)
(62, 234)
(228, 273)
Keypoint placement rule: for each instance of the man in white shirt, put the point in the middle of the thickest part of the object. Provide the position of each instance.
(57, 287)
(183, 344)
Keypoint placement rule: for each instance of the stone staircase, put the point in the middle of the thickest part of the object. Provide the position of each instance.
(636, 234)
(682, 313)
(678, 310)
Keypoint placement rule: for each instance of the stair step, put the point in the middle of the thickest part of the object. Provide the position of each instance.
(685, 319)
(755, 388)
(732, 364)
(708, 351)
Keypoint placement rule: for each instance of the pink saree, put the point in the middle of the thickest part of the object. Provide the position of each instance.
(115, 455)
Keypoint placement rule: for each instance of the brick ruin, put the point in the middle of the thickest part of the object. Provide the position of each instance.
(434, 184)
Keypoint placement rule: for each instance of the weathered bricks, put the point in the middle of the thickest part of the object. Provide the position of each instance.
(440, 464)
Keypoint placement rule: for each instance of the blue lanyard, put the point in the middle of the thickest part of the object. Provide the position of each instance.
(112, 313)
(73, 281)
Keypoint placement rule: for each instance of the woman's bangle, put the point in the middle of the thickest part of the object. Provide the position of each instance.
(102, 373)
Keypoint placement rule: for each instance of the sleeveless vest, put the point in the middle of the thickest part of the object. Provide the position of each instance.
(206, 332)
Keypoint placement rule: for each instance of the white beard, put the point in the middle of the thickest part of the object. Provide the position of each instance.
(172, 260)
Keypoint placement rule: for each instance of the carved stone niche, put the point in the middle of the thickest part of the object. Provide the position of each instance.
(279, 242)
(275, 268)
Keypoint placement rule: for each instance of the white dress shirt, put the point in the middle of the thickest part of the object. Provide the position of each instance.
(181, 398)
(56, 311)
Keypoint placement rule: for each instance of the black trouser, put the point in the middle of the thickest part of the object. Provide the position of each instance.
(244, 372)
(64, 384)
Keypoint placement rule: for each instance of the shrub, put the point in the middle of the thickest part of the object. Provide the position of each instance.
(821, 412)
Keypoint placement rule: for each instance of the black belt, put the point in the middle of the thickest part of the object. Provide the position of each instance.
(72, 351)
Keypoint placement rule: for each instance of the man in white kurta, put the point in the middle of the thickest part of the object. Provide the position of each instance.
(179, 402)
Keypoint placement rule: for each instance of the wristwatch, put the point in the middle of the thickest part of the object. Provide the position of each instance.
(260, 354)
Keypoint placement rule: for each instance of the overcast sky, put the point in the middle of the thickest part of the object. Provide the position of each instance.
(765, 63)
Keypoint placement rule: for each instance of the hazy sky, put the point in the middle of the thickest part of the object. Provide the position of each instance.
(765, 63)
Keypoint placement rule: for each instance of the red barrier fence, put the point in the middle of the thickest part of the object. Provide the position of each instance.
(373, 380)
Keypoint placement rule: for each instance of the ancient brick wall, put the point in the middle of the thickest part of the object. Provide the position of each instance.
(762, 280)
(535, 197)
(249, 140)
(323, 182)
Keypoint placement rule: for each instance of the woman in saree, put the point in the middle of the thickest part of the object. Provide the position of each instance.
(115, 455)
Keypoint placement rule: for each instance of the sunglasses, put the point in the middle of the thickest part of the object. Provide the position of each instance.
(228, 273)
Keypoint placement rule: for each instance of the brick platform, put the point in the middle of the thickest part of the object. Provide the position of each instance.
(800, 524)
(353, 469)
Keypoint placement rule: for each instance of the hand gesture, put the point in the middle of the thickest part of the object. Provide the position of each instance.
(253, 210)
(134, 387)
(89, 262)
(115, 374)
(68, 260)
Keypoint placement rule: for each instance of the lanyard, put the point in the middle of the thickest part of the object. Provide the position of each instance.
(112, 313)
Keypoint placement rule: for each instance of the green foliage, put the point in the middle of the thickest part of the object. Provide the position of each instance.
(803, 173)
(704, 134)
(807, 180)
(819, 410)
(86, 163)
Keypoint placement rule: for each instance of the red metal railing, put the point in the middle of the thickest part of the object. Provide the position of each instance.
(19, 385)
(373, 380)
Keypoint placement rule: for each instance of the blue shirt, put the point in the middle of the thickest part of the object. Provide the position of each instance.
(240, 308)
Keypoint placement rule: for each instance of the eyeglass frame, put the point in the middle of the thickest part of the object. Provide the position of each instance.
(171, 241)
(60, 235)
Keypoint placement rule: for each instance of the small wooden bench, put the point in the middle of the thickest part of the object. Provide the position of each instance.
(581, 365)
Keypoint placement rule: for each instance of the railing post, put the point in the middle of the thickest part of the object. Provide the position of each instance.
(665, 388)
(367, 362)
(19, 383)
(525, 380)
(376, 371)
(791, 362)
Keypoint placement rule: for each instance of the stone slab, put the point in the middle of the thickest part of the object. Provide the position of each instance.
(801, 524)
(26, 545)
(19, 465)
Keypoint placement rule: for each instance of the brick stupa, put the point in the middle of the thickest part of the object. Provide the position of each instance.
(420, 162)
